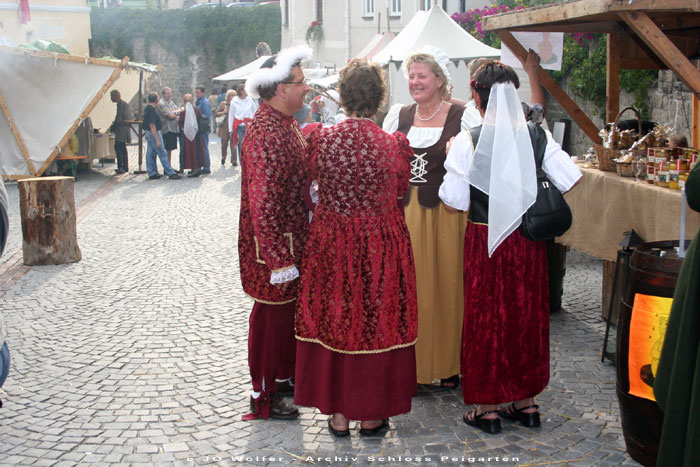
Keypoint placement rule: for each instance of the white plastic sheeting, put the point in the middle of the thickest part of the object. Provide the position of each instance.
(45, 97)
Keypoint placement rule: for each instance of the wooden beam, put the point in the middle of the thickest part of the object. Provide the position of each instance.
(612, 82)
(593, 27)
(664, 48)
(15, 133)
(91, 105)
(695, 129)
(555, 90)
(59, 56)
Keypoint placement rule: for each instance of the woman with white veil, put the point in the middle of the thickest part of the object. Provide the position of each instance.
(491, 173)
(191, 141)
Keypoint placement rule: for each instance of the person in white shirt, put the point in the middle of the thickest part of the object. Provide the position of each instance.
(241, 111)
(490, 171)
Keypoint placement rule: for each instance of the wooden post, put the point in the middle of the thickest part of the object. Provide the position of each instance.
(15, 132)
(612, 84)
(696, 122)
(47, 208)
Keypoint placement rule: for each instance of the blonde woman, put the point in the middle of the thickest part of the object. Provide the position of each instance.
(222, 110)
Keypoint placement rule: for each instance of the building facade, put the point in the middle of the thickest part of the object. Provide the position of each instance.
(348, 25)
(64, 21)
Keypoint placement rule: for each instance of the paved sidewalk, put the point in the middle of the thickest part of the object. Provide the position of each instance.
(137, 355)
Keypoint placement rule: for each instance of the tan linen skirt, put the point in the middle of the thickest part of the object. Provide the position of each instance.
(437, 237)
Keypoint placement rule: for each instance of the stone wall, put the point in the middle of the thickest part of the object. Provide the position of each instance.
(181, 77)
(670, 104)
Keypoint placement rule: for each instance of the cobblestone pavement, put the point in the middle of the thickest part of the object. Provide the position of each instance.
(136, 355)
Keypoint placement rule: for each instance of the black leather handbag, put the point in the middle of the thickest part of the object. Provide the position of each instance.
(550, 215)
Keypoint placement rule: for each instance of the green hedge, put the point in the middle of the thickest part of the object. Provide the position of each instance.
(218, 33)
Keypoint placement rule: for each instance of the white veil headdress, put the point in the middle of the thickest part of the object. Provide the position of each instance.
(504, 163)
(191, 126)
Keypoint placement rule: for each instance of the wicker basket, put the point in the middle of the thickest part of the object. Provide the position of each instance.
(606, 155)
(624, 169)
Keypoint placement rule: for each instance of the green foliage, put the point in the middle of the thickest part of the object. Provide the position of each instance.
(583, 63)
(217, 33)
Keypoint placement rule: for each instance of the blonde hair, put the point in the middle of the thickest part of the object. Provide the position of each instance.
(435, 68)
(230, 93)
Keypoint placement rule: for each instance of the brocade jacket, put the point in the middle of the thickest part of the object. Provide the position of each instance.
(274, 222)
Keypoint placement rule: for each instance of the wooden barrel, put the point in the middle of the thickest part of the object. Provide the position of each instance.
(653, 271)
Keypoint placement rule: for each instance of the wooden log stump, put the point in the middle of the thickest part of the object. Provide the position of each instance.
(47, 207)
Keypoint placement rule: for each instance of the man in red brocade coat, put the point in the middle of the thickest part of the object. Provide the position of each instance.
(273, 226)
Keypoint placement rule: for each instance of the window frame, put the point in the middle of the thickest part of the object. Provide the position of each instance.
(365, 10)
(395, 13)
(319, 11)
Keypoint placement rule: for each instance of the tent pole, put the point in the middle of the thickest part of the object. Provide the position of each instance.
(15, 133)
(85, 113)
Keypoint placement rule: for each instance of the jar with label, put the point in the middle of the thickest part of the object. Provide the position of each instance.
(662, 174)
(682, 178)
(651, 172)
(673, 173)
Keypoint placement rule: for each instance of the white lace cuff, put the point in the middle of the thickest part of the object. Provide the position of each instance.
(285, 275)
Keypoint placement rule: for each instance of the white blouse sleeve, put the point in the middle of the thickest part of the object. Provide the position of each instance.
(558, 166)
(471, 117)
(454, 190)
(391, 121)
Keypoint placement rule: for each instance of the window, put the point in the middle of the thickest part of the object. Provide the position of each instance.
(463, 6)
(368, 8)
(444, 5)
(425, 4)
(319, 11)
(395, 9)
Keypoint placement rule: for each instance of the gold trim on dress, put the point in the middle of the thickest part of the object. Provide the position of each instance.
(300, 136)
(476, 223)
(284, 268)
(356, 352)
(269, 303)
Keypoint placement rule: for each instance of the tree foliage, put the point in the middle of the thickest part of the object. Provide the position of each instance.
(583, 63)
(217, 33)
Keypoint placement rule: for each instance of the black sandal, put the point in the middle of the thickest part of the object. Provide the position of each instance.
(487, 425)
(450, 383)
(528, 419)
(337, 433)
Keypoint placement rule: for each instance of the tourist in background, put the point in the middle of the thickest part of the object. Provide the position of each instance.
(152, 126)
(168, 112)
(222, 111)
(121, 130)
(242, 109)
(205, 110)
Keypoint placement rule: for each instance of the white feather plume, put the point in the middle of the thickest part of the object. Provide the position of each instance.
(283, 65)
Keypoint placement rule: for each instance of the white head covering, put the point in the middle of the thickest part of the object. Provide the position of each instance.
(191, 126)
(439, 55)
(282, 64)
(504, 163)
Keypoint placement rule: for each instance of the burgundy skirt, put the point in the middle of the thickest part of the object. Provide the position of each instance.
(360, 386)
(505, 338)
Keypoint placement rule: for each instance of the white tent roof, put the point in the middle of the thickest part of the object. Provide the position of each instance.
(376, 45)
(435, 28)
(242, 73)
(42, 103)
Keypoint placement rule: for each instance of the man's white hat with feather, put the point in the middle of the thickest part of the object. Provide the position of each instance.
(276, 69)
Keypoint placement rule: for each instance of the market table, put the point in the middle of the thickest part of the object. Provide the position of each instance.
(605, 206)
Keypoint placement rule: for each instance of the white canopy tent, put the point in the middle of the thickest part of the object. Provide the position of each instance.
(374, 46)
(44, 96)
(242, 73)
(434, 28)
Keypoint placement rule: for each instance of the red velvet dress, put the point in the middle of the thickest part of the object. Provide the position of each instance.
(506, 315)
(190, 147)
(356, 320)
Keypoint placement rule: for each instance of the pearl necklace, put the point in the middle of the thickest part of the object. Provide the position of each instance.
(433, 115)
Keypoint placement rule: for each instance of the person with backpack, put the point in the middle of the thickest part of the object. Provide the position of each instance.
(505, 343)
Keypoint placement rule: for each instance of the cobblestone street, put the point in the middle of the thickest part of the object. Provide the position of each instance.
(137, 355)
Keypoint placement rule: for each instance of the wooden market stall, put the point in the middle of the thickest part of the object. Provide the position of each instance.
(641, 34)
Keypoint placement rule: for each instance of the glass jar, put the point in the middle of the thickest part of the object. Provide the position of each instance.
(662, 174)
(682, 178)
